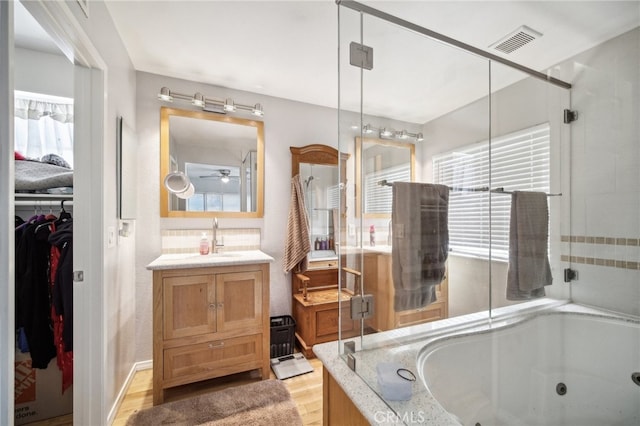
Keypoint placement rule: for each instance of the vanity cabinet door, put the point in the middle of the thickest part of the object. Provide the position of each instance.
(189, 306)
(239, 296)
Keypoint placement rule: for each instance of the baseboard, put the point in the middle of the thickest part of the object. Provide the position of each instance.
(138, 366)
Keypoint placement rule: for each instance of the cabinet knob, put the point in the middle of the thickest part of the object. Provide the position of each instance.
(212, 305)
(220, 305)
(216, 345)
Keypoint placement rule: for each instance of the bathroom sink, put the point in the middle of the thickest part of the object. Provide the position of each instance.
(230, 254)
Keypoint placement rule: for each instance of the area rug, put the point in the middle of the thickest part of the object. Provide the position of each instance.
(267, 403)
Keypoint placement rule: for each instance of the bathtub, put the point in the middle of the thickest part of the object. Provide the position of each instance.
(553, 368)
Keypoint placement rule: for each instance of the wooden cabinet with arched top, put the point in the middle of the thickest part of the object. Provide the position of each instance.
(315, 293)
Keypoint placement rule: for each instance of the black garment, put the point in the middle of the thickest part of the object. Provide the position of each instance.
(32, 292)
(63, 286)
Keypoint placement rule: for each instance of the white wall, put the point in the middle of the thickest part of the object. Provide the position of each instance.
(605, 172)
(28, 77)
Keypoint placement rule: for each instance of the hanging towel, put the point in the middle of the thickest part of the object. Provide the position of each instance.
(298, 243)
(529, 269)
(420, 242)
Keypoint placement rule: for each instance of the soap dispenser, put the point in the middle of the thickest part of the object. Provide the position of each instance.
(204, 244)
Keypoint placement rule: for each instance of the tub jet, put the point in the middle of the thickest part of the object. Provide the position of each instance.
(561, 388)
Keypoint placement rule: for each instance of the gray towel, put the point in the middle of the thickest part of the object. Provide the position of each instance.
(529, 269)
(420, 242)
(298, 243)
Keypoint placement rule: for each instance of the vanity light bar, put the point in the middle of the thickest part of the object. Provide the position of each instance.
(210, 104)
(387, 133)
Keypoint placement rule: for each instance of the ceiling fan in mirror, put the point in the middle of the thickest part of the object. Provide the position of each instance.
(223, 174)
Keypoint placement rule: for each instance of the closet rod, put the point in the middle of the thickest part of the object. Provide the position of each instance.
(42, 203)
(478, 189)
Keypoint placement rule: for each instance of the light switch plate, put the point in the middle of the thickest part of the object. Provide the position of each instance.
(111, 237)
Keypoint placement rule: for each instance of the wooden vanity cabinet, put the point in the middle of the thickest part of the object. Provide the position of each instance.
(378, 281)
(209, 322)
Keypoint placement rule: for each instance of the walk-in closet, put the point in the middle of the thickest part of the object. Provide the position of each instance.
(43, 183)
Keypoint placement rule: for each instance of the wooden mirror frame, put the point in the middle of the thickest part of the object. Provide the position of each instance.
(165, 113)
(358, 171)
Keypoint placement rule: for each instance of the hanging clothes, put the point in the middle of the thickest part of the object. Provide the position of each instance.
(61, 282)
(32, 291)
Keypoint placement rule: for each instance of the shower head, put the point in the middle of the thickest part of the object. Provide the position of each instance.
(308, 181)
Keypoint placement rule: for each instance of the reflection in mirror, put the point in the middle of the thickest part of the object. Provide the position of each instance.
(321, 195)
(322, 185)
(220, 155)
(380, 160)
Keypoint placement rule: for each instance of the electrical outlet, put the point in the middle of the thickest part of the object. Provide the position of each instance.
(111, 237)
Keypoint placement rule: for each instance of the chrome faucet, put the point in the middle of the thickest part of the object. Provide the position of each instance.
(214, 240)
(390, 234)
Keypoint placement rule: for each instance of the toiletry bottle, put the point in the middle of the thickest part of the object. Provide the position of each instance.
(317, 244)
(204, 244)
(372, 235)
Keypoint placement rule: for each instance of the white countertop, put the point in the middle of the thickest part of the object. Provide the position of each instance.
(195, 260)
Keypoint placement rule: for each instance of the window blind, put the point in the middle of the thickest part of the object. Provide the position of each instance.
(378, 198)
(519, 161)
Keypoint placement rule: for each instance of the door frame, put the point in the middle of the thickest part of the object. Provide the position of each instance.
(90, 77)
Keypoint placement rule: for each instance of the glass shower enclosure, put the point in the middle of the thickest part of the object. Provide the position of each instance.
(441, 136)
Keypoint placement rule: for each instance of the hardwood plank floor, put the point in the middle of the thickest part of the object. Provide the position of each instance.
(305, 390)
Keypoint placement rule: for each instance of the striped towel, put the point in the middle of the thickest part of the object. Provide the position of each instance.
(298, 243)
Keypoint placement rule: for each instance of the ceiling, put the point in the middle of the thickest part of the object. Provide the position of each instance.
(288, 49)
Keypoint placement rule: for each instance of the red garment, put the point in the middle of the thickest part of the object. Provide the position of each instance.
(64, 359)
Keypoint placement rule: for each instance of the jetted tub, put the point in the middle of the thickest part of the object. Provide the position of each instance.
(556, 368)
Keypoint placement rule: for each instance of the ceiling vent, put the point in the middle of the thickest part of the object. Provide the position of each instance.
(516, 39)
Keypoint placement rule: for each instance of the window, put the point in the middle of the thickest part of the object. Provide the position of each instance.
(43, 125)
(519, 161)
(378, 198)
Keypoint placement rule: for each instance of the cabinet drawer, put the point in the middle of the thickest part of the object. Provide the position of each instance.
(327, 321)
(433, 312)
(322, 264)
(212, 359)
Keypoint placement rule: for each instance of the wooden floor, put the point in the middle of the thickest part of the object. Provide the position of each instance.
(306, 391)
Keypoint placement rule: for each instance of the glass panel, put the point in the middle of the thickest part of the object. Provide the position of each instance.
(444, 247)
(410, 273)
(529, 143)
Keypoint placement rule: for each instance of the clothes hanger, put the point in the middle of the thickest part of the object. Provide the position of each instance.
(64, 215)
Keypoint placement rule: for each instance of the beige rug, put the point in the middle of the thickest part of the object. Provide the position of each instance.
(261, 403)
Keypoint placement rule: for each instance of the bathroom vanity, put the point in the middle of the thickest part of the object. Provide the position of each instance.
(379, 283)
(210, 317)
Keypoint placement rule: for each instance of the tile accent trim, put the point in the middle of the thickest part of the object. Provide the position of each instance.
(602, 261)
(188, 240)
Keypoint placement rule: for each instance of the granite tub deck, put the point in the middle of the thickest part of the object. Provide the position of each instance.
(403, 346)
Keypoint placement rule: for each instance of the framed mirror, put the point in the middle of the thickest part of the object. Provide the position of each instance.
(379, 160)
(222, 156)
(317, 166)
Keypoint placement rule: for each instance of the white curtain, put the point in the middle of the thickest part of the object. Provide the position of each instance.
(43, 127)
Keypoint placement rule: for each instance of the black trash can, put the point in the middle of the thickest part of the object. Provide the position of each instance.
(283, 335)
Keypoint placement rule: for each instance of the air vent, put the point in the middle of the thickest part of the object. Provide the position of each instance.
(516, 39)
